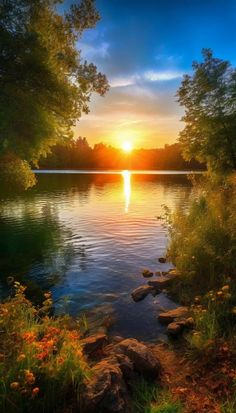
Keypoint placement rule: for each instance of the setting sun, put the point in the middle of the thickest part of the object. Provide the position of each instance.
(127, 146)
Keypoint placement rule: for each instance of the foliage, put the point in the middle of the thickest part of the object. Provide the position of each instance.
(203, 240)
(15, 174)
(149, 398)
(41, 360)
(45, 86)
(209, 98)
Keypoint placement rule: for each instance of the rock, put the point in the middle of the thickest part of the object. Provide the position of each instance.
(147, 273)
(162, 260)
(106, 390)
(141, 292)
(175, 328)
(158, 273)
(161, 282)
(170, 316)
(144, 361)
(94, 343)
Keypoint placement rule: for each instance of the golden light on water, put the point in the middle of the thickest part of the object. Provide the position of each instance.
(127, 188)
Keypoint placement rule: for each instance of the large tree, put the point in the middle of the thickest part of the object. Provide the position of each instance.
(44, 83)
(209, 98)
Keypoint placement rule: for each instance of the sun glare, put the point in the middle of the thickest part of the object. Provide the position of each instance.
(127, 146)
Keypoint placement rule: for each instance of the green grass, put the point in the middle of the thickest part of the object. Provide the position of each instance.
(149, 398)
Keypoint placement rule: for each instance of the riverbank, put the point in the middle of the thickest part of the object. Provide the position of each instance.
(58, 364)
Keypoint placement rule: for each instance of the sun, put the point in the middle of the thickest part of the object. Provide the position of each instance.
(127, 146)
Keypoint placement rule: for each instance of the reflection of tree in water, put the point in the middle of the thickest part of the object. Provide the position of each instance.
(32, 246)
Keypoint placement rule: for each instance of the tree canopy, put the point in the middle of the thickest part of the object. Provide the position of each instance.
(209, 98)
(45, 85)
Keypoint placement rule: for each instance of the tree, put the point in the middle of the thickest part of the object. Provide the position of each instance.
(209, 98)
(44, 84)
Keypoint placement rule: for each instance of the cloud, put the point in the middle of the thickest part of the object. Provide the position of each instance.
(148, 76)
(91, 52)
(154, 76)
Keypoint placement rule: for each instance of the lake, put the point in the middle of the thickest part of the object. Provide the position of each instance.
(87, 236)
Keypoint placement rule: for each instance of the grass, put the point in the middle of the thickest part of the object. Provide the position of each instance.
(203, 248)
(149, 398)
(41, 361)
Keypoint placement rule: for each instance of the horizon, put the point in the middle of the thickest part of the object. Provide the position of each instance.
(141, 106)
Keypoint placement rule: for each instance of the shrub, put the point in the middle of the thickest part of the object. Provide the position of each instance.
(41, 361)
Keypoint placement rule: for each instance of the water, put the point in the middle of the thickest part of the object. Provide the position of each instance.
(87, 237)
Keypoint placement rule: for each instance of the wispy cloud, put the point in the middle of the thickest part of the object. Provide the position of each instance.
(91, 52)
(148, 76)
(162, 76)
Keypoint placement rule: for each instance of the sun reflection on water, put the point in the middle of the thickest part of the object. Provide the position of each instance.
(127, 188)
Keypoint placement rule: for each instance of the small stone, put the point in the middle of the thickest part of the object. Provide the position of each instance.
(161, 282)
(147, 273)
(141, 292)
(162, 260)
(158, 273)
(170, 316)
(175, 328)
(94, 343)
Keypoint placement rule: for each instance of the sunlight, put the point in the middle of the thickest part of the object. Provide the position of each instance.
(127, 188)
(127, 146)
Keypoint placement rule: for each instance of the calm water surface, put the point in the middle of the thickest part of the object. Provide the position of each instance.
(87, 237)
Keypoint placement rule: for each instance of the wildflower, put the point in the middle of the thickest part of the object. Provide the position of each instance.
(29, 337)
(15, 385)
(234, 310)
(35, 391)
(225, 288)
(21, 357)
(219, 293)
(29, 377)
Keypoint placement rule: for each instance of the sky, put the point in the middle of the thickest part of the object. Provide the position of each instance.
(144, 48)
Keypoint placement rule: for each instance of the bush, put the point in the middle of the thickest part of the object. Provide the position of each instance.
(41, 360)
(203, 240)
(16, 174)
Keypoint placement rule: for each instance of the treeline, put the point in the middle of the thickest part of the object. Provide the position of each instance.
(78, 154)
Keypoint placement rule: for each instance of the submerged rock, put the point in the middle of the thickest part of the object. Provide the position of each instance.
(162, 260)
(169, 316)
(144, 361)
(141, 292)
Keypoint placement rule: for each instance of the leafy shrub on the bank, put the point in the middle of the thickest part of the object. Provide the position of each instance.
(214, 315)
(203, 240)
(41, 361)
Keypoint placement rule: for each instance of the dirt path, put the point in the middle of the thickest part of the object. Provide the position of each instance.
(187, 381)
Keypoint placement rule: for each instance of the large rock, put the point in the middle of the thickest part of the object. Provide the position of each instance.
(141, 292)
(168, 317)
(94, 343)
(161, 282)
(106, 390)
(144, 361)
(147, 274)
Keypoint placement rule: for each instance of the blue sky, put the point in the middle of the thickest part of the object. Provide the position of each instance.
(144, 48)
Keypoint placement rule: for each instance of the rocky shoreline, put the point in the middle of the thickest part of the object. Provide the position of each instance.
(116, 362)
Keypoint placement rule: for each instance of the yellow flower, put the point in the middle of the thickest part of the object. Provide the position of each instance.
(219, 293)
(14, 385)
(21, 357)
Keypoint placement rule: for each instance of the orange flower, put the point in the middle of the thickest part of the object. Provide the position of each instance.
(35, 391)
(21, 357)
(29, 336)
(29, 377)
